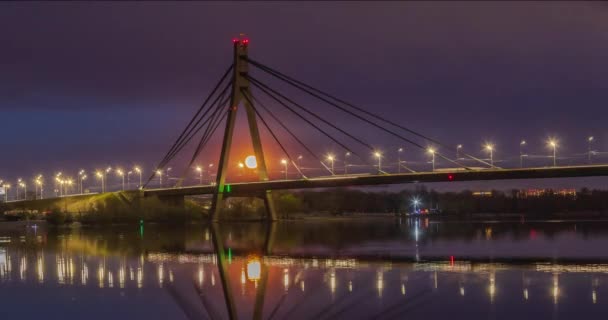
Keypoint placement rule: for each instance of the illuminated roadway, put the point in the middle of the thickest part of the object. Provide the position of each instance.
(253, 188)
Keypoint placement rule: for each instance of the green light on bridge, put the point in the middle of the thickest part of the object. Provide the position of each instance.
(227, 188)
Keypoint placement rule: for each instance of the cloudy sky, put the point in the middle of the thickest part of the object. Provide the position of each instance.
(97, 84)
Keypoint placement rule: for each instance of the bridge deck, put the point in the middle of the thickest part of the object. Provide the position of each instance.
(253, 188)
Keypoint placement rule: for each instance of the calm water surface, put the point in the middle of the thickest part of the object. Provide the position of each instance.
(342, 269)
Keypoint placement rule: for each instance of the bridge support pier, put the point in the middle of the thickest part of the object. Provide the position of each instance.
(240, 87)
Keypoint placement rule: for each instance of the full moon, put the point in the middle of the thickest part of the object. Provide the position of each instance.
(251, 162)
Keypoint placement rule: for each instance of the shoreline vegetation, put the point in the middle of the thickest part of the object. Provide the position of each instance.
(125, 208)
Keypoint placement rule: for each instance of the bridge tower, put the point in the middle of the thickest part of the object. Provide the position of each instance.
(240, 86)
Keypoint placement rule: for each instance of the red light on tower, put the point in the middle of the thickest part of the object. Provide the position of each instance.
(235, 40)
(450, 177)
(246, 41)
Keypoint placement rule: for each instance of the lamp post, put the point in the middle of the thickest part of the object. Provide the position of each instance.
(199, 169)
(553, 145)
(522, 144)
(129, 179)
(346, 155)
(101, 177)
(24, 186)
(160, 177)
(209, 171)
(331, 159)
(399, 151)
(284, 163)
(121, 174)
(490, 148)
(6, 188)
(589, 142)
(84, 177)
(38, 184)
(81, 174)
(108, 170)
(378, 155)
(68, 183)
(168, 175)
(138, 170)
(300, 161)
(458, 147)
(432, 152)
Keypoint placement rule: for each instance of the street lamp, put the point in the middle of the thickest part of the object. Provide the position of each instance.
(330, 158)
(399, 151)
(168, 175)
(129, 179)
(68, 183)
(24, 186)
(160, 177)
(84, 177)
(553, 145)
(121, 174)
(490, 148)
(300, 161)
(103, 183)
(432, 152)
(38, 184)
(378, 155)
(522, 144)
(458, 147)
(108, 170)
(589, 142)
(81, 174)
(6, 187)
(284, 163)
(346, 155)
(138, 170)
(199, 169)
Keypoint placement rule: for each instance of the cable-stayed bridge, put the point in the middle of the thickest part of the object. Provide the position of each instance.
(275, 111)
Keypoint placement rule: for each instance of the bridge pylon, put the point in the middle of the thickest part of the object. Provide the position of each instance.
(240, 86)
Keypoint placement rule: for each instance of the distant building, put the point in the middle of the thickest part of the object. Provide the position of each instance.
(533, 193)
(482, 193)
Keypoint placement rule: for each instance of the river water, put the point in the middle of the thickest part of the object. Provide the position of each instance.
(319, 269)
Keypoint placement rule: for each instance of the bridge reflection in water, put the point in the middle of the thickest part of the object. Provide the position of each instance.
(241, 276)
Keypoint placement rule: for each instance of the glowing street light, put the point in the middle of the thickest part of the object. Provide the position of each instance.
(81, 176)
(24, 186)
(553, 144)
(522, 144)
(38, 184)
(129, 173)
(84, 177)
(103, 183)
(121, 174)
(378, 155)
(160, 177)
(284, 163)
(6, 188)
(331, 158)
(300, 161)
(458, 147)
(399, 151)
(589, 142)
(346, 155)
(199, 169)
(432, 152)
(139, 171)
(490, 148)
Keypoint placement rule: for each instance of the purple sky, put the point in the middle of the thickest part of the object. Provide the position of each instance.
(97, 84)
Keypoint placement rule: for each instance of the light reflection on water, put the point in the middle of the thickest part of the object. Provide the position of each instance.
(362, 270)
